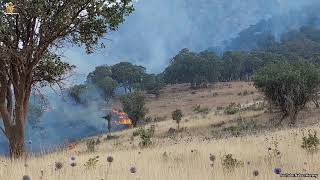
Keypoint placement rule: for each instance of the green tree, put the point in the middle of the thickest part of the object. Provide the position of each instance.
(27, 39)
(177, 116)
(128, 75)
(76, 92)
(99, 73)
(196, 69)
(134, 105)
(152, 84)
(288, 86)
(108, 86)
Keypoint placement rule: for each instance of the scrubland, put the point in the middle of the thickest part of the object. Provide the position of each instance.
(250, 137)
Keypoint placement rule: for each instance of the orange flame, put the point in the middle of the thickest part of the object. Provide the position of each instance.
(123, 118)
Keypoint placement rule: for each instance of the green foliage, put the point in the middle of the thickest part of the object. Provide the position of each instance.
(134, 105)
(230, 163)
(232, 108)
(193, 68)
(101, 79)
(288, 86)
(145, 135)
(76, 92)
(311, 142)
(152, 84)
(242, 125)
(51, 70)
(128, 75)
(177, 116)
(92, 162)
(99, 73)
(108, 86)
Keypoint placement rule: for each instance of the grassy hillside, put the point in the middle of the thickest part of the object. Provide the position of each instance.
(251, 135)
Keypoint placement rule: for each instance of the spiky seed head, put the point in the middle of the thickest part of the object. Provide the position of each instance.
(110, 159)
(277, 170)
(133, 170)
(212, 157)
(58, 165)
(73, 164)
(256, 173)
(26, 177)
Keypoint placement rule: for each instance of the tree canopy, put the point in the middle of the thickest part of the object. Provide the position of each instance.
(28, 41)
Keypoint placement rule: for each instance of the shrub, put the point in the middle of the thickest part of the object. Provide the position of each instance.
(311, 143)
(242, 126)
(146, 135)
(134, 105)
(232, 108)
(229, 163)
(244, 93)
(92, 162)
(91, 144)
(288, 86)
(177, 116)
(201, 110)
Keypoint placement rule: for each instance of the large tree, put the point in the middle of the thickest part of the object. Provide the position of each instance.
(101, 79)
(26, 40)
(128, 75)
(289, 86)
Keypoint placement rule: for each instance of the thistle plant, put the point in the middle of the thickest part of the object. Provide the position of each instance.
(92, 162)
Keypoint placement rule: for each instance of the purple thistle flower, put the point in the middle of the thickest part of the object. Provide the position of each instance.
(73, 158)
(277, 170)
(133, 170)
(26, 177)
(110, 159)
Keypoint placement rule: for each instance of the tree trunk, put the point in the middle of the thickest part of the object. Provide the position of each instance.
(17, 146)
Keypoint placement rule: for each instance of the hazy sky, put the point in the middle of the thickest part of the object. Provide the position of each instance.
(158, 29)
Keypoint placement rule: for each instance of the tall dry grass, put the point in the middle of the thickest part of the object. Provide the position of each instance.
(188, 161)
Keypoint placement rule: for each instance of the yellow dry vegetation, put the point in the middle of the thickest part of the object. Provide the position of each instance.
(185, 155)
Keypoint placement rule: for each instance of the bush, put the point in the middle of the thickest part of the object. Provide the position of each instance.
(242, 126)
(229, 163)
(134, 105)
(232, 108)
(91, 145)
(92, 162)
(201, 110)
(288, 86)
(311, 143)
(177, 116)
(145, 135)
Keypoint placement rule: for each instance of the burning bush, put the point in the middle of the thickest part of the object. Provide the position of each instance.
(134, 105)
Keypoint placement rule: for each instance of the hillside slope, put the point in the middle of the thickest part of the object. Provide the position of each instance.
(247, 135)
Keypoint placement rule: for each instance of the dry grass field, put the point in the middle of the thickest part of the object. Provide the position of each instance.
(250, 136)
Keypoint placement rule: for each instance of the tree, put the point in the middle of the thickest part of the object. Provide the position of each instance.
(134, 105)
(152, 84)
(288, 86)
(177, 116)
(196, 69)
(76, 92)
(99, 73)
(108, 86)
(28, 40)
(128, 75)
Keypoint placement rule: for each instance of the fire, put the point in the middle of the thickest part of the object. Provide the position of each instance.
(123, 118)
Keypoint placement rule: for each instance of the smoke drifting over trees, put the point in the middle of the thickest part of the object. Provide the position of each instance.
(158, 30)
